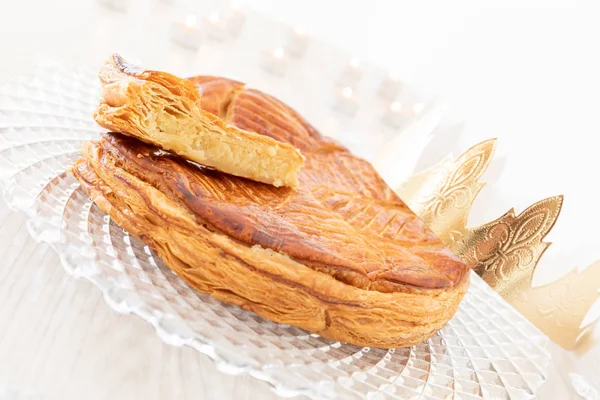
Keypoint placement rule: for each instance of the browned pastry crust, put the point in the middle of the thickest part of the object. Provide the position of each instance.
(341, 256)
(162, 109)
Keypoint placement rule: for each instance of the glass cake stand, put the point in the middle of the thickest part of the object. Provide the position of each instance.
(487, 351)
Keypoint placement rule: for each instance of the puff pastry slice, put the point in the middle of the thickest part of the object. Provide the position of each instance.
(162, 109)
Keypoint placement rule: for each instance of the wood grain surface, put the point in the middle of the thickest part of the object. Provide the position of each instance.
(60, 340)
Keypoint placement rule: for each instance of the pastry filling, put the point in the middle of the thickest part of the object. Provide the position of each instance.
(202, 141)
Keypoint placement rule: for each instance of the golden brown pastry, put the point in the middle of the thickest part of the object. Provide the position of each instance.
(162, 109)
(341, 256)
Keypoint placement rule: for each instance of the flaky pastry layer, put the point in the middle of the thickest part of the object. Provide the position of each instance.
(261, 280)
(162, 109)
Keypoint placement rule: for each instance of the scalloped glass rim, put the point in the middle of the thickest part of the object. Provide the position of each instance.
(487, 350)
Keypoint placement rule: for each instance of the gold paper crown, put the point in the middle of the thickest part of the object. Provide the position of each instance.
(504, 252)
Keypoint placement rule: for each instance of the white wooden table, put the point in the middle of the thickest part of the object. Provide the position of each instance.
(58, 338)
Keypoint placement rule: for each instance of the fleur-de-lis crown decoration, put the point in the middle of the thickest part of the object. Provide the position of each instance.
(506, 251)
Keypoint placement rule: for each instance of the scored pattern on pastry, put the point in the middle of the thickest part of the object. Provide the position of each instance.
(399, 282)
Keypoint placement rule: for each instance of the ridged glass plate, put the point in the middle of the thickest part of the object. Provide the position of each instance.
(486, 351)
